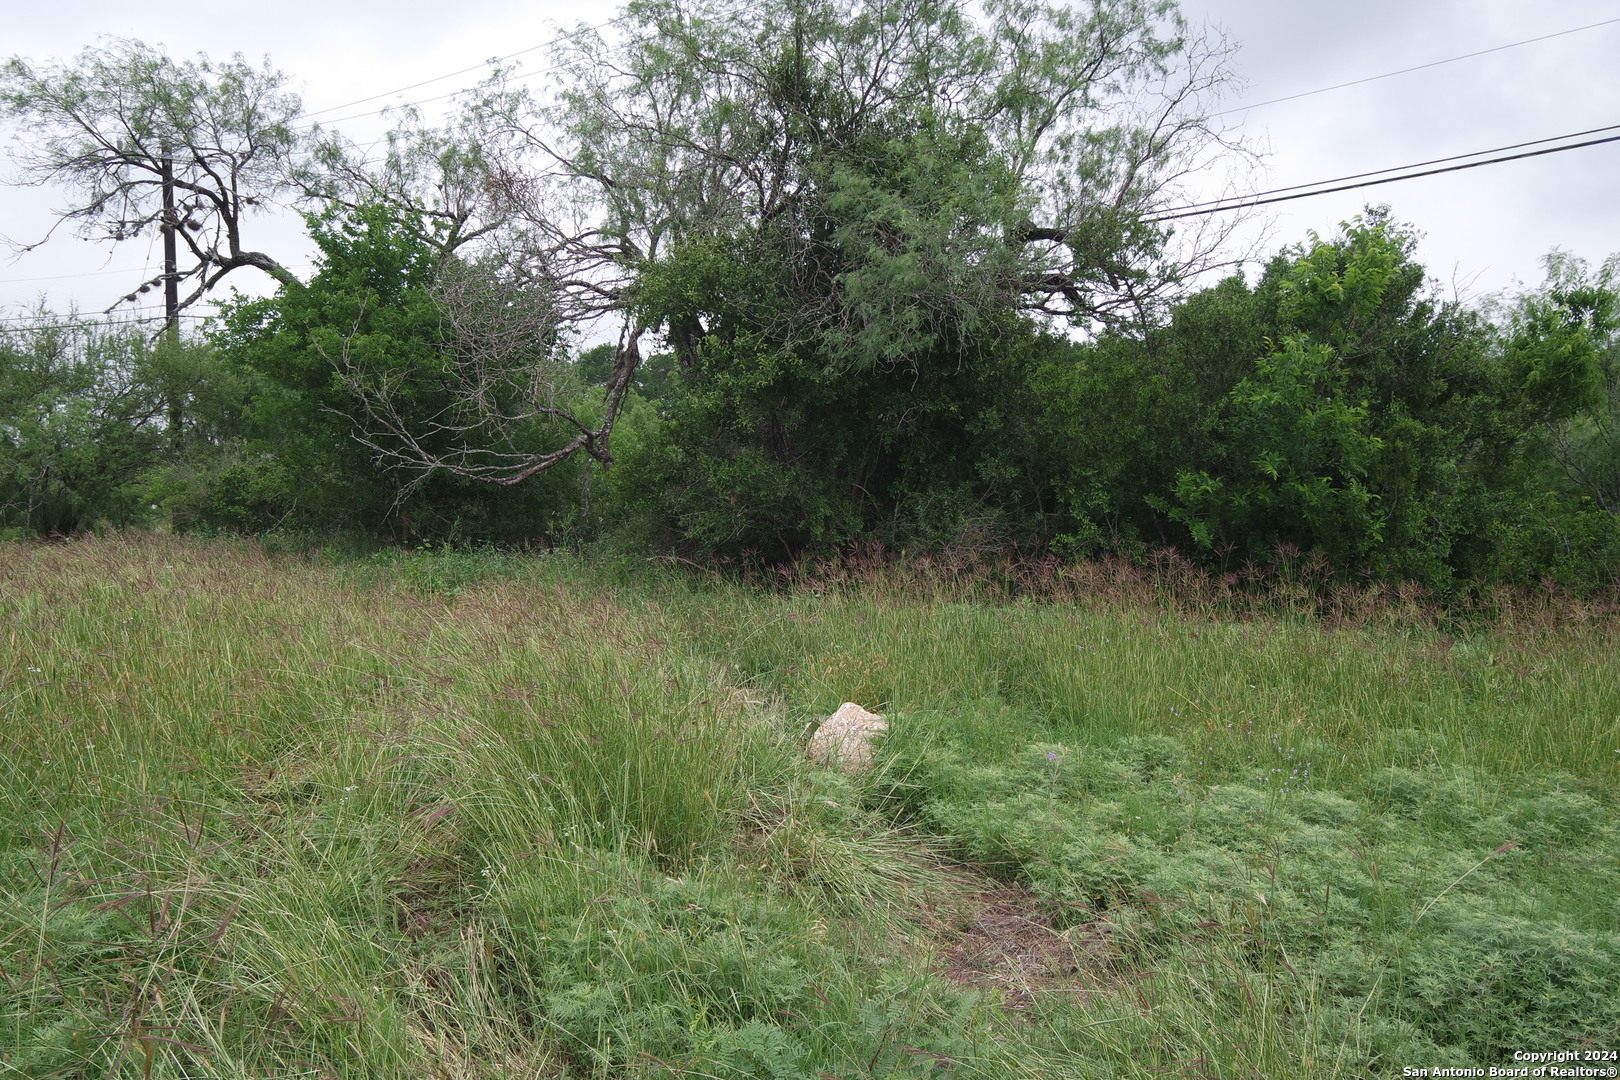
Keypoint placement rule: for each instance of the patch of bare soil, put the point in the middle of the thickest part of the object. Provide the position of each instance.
(1001, 938)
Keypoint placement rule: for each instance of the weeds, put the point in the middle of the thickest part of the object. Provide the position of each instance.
(471, 815)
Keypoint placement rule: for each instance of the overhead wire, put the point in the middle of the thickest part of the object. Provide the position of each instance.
(63, 277)
(32, 324)
(452, 93)
(1266, 198)
(101, 318)
(1415, 67)
(1404, 168)
(425, 82)
(1224, 112)
(1180, 211)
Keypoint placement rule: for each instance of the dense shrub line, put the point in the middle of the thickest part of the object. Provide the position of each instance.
(1333, 423)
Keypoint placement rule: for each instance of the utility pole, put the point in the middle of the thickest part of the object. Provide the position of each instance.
(171, 289)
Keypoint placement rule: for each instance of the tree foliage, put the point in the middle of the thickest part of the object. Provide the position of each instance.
(1336, 406)
(118, 123)
(957, 159)
(849, 271)
(892, 180)
(365, 364)
(80, 424)
(847, 222)
(1346, 435)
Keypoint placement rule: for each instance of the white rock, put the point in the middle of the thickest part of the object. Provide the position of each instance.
(844, 739)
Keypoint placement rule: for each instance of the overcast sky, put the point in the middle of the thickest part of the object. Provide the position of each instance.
(1484, 229)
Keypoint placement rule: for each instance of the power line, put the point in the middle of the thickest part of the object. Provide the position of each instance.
(64, 277)
(55, 320)
(1225, 112)
(1275, 195)
(424, 82)
(1266, 198)
(463, 71)
(33, 324)
(99, 318)
(1418, 67)
(1404, 168)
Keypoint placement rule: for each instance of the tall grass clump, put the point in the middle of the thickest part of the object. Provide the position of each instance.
(250, 812)
(460, 813)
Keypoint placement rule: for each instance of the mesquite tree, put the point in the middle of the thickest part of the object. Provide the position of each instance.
(890, 176)
(120, 124)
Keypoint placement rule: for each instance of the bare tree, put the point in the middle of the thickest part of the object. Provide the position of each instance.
(505, 371)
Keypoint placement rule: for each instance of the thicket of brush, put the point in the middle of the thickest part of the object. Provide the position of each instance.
(473, 815)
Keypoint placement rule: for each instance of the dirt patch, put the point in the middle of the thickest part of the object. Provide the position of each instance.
(1001, 938)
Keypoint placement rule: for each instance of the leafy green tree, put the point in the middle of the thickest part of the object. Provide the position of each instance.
(1560, 339)
(847, 222)
(345, 369)
(1298, 450)
(1334, 406)
(889, 183)
(1551, 472)
(953, 158)
(1347, 435)
(80, 425)
(1126, 413)
(768, 455)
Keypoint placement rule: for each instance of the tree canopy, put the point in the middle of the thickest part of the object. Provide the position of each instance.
(815, 274)
(119, 123)
(873, 182)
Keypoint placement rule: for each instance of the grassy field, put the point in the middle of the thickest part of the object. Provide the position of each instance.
(464, 815)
